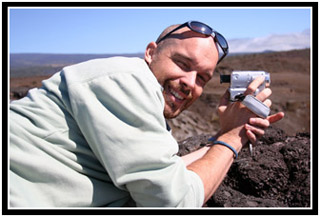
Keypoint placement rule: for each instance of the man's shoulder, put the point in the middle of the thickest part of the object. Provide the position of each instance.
(105, 67)
(111, 63)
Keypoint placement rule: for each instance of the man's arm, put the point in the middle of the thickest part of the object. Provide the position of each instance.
(196, 155)
(212, 163)
(254, 130)
(213, 166)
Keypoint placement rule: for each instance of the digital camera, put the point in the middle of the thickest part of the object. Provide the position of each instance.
(240, 80)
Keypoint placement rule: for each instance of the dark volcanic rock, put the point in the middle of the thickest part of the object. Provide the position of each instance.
(192, 144)
(277, 175)
(19, 92)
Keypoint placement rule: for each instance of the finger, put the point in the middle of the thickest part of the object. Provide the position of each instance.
(267, 102)
(263, 95)
(224, 101)
(254, 85)
(259, 132)
(259, 122)
(252, 138)
(275, 117)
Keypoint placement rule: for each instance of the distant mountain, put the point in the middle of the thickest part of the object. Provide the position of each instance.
(273, 42)
(18, 60)
(35, 64)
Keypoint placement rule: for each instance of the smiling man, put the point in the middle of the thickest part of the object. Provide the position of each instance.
(182, 65)
(95, 133)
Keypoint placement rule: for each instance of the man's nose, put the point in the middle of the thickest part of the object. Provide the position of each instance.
(189, 80)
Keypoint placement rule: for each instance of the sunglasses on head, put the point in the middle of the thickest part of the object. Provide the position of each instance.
(206, 30)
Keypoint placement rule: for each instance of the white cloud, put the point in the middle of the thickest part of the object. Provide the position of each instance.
(273, 42)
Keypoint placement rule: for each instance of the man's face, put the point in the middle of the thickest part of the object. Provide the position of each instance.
(183, 67)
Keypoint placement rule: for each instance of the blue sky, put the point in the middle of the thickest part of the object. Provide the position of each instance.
(129, 30)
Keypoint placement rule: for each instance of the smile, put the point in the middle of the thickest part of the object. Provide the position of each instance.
(176, 94)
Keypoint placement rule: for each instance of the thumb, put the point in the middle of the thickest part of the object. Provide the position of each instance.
(224, 101)
(276, 117)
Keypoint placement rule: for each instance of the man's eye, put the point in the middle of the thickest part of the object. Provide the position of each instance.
(183, 65)
(201, 80)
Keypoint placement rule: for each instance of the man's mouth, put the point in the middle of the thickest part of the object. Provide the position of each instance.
(176, 100)
(176, 94)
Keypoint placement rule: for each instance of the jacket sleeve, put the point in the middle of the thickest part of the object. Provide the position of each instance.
(121, 117)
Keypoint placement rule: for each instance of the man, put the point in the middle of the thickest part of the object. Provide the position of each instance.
(95, 133)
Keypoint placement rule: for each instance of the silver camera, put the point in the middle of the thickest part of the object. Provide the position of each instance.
(240, 80)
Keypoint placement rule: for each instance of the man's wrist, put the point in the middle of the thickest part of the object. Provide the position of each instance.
(218, 142)
(233, 141)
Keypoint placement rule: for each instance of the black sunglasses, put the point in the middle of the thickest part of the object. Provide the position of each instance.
(206, 30)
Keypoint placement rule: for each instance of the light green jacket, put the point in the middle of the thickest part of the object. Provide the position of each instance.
(95, 135)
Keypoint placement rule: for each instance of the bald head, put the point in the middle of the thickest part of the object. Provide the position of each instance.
(165, 43)
(166, 31)
(165, 40)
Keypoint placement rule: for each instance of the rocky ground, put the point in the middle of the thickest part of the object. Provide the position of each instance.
(277, 175)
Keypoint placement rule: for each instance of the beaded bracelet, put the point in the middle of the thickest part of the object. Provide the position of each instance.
(225, 144)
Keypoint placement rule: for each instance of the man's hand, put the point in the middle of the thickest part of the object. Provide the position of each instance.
(238, 126)
(254, 127)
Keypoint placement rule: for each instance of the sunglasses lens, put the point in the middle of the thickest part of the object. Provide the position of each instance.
(200, 27)
(222, 41)
(206, 30)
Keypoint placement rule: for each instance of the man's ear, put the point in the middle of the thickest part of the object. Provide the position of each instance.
(150, 50)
